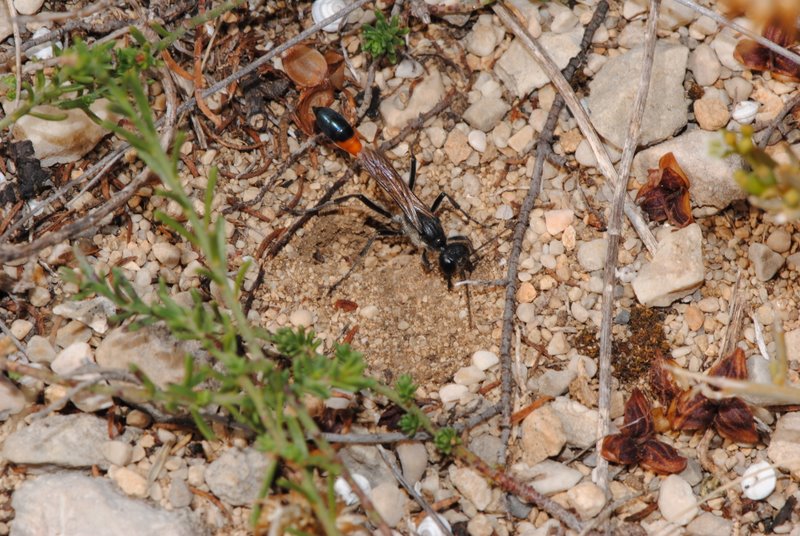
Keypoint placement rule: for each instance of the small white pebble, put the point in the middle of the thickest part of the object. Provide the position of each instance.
(758, 481)
(428, 526)
(346, 493)
(745, 112)
(452, 392)
(477, 140)
(484, 359)
(504, 212)
(301, 317)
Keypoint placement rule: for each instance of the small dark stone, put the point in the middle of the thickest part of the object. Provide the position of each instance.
(623, 317)
(517, 508)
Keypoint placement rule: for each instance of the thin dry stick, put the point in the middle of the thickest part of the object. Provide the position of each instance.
(766, 134)
(735, 318)
(614, 235)
(411, 491)
(573, 103)
(742, 30)
(542, 149)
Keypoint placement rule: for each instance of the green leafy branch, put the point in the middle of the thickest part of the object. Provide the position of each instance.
(773, 186)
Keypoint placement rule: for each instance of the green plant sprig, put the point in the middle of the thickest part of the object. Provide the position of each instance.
(773, 186)
(384, 38)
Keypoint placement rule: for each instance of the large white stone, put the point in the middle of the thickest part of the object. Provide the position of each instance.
(676, 269)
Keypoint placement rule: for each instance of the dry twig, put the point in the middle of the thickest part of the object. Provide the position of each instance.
(581, 117)
(543, 147)
(614, 235)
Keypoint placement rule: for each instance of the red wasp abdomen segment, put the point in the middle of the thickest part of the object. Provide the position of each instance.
(336, 127)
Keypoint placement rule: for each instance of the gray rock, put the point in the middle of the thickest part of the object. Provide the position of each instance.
(542, 435)
(472, 486)
(483, 38)
(676, 269)
(724, 44)
(93, 313)
(78, 505)
(40, 350)
(704, 65)
(179, 494)
(6, 28)
(60, 142)
(614, 88)
(784, 447)
(517, 508)
(152, 348)
(578, 422)
(366, 460)
(397, 111)
(66, 440)
(519, 71)
(12, 400)
(413, 459)
(486, 447)
(693, 474)
(552, 382)
(548, 477)
(236, 476)
(712, 187)
(676, 500)
(486, 112)
(765, 261)
(707, 524)
(592, 254)
(390, 502)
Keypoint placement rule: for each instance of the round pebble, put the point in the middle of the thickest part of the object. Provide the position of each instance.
(117, 452)
(758, 481)
(301, 318)
(477, 140)
(676, 500)
(779, 241)
(484, 359)
(745, 112)
(452, 392)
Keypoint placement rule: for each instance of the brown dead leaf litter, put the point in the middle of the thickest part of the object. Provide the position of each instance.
(479, 149)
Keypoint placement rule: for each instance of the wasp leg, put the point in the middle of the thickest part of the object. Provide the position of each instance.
(437, 203)
(381, 233)
(426, 263)
(412, 174)
(369, 203)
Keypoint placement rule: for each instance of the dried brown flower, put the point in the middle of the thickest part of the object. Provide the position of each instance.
(666, 194)
(636, 443)
(756, 57)
(731, 417)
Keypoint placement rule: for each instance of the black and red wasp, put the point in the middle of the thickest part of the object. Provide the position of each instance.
(418, 221)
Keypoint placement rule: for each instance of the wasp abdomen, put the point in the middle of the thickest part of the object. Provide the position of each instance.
(336, 127)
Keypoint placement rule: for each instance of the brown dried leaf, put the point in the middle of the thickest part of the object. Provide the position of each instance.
(735, 421)
(691, 412)
(661, 458)
(666, 194)
(661, 383)
(619, 448)
(733, 366)
(638, 419)
(756, 57)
